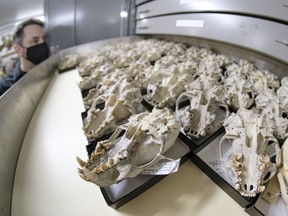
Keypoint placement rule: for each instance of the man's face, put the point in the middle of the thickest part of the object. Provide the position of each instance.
(33, 35)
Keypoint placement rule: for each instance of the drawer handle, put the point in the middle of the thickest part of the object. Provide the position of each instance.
(143, 27)
(282, 42)
(144, 11)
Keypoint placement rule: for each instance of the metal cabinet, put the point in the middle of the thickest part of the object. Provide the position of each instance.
(277, 9)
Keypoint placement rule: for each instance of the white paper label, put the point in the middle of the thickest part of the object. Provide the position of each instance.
(163, 168)
(217, 166)
(190, 23)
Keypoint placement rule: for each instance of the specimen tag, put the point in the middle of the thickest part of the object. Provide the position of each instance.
(163, 167)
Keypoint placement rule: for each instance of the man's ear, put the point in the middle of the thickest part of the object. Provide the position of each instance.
(18, 49)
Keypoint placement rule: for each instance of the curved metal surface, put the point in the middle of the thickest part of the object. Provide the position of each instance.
(18, 104)
(16, 108)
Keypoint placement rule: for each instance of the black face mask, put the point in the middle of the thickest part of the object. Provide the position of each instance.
(38, 53)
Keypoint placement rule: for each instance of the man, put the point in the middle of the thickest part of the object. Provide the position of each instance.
(31, 48)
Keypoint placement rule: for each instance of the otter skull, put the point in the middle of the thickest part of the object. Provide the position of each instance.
(248, 135)
(120, 103)
(147, 137)
(267, 103)
(204, 115)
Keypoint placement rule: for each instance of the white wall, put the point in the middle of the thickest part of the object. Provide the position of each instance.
(12, 11)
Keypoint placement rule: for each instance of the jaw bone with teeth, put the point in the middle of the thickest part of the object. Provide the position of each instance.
(147, 137)
(248, 134)
(120, 103)
(203, 116)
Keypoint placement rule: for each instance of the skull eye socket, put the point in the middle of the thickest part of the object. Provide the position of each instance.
(266, 177)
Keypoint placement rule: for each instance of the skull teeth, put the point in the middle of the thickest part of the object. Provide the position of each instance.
(238, 156)
(106, 145)
(90, 175)
(237, 186)
(80, 161)
(103, 166)
(110, 162)
(261, 188)
(99, 150)
(82, 175)
(94, 156)
(264, 159)
(97, 170)
(123, 154)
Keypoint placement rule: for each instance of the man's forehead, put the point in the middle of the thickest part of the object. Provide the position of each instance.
(33, 30)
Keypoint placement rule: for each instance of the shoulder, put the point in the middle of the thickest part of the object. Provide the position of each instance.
(11, 78)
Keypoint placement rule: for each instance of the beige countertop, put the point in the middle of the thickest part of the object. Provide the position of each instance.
(47, 183)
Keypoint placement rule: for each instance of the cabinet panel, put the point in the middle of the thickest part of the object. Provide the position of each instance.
(277, 9)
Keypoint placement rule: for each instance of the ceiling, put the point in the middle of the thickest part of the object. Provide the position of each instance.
(12, 11)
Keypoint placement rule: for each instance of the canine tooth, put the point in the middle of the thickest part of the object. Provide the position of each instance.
(82, 175)
(80, 161)
(261, 188)
(237, 186)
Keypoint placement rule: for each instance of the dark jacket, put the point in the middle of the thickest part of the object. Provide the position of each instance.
(11, 78)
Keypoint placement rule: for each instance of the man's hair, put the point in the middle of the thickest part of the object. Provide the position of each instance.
(19, 33)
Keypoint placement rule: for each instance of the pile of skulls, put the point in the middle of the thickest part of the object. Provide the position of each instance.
(250, 103)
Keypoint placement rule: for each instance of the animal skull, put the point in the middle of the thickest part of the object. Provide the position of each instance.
(282, 95)
(248, 134)
(263, 79)
(69, 61)
(267, 104)
(147, 137)
(202, 117)
(108, 84)
(120, 103)
(166, 85)
(238, 86)
(282, 173)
